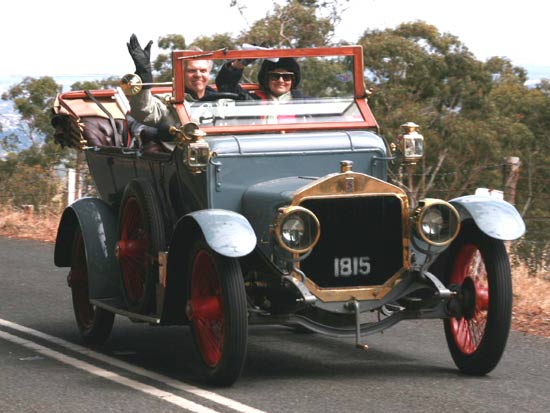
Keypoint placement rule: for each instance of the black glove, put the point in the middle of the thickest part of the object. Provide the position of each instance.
(240, 64)
(142, 60)
(148, 134)
(163, 131)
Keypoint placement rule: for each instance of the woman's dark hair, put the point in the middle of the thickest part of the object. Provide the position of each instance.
(287, 63)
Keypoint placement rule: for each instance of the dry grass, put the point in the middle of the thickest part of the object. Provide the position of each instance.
(22, 225)
(531, 312)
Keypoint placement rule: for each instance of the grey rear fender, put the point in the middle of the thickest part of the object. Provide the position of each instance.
(496, 218)
(98, 224)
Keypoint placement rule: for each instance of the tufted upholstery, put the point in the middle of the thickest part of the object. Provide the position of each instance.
(81, 122)
(97, 131)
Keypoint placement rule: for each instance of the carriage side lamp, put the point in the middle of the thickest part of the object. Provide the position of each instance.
(410, 144)
(198, 151)
(190, 138)
(198, 155)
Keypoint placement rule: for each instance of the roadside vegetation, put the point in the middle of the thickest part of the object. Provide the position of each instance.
(473, 115)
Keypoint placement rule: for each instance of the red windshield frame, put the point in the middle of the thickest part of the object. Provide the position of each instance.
(356, 52)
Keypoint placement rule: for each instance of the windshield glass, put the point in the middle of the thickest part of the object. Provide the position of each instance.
(225, 112)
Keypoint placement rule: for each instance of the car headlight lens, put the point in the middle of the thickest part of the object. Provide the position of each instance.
(297, 229)
(437, 222)
(293, 231)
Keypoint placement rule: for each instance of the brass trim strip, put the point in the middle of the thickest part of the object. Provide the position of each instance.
(371, 292)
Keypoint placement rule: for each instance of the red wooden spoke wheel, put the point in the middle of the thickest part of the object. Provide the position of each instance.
(468, 331)
(207, 308)
(132, 249)
(480, 269)
(217, 309)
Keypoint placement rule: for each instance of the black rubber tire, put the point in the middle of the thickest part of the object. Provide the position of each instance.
(140, 237)
(477, 342)
(219, 321)
(94, 323)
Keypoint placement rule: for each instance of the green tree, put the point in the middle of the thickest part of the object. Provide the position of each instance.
(107, 83)
(528, 110)
(298, 23)
(292, 25)
(215, 42)
(33, 100)
(472, 114)
(28, 176)
(432, 79)
(163, 63)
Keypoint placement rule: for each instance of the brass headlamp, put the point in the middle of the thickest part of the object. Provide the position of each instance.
(297, 229)
(436, 222)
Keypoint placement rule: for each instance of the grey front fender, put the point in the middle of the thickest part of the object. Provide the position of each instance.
(98, 223)
(496, 218)
(226, 232)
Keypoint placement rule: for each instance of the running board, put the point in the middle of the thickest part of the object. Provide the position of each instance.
(118, 307)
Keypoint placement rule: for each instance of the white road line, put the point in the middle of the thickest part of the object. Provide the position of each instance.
(176, 384)
(109, 375)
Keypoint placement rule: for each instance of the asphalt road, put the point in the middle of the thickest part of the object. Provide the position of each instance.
(44, 368)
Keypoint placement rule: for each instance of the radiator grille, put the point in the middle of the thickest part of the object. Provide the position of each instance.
(361, 241)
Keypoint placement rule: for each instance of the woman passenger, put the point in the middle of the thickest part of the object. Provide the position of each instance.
(278, 80)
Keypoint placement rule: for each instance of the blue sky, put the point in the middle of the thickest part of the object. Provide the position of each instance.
(70, 38)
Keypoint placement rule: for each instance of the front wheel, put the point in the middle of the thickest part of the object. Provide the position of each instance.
(217, 309)
(94, 323)
(480, 266)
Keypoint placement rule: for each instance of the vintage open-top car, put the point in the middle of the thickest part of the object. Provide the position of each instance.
(260, 212)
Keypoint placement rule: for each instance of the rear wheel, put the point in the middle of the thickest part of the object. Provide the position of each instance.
(480, 266)
(94, 324)
(141, 237)
(217, 309)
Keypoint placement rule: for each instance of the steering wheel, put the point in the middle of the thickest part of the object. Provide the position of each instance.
(220, 95)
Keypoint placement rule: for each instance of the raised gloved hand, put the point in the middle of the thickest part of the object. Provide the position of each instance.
(241, 63)
(142, 60)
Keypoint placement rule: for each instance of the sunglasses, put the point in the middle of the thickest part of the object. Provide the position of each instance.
(274, 76)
